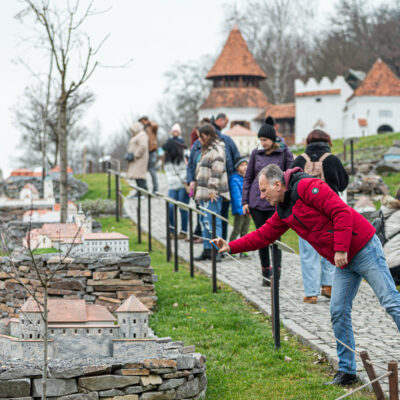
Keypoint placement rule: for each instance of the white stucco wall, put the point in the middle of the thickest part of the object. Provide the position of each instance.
(377, 111)
(327, 108)
(245, 144)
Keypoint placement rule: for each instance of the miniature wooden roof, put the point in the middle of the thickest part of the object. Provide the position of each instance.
(380, 81)
(236, 97)
(235, 59)
(132, 304)
(61, 310)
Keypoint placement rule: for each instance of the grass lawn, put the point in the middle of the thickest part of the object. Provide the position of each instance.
(242, 363)
(98, 186)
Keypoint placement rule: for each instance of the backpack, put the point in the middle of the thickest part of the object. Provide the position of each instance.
(315, 168)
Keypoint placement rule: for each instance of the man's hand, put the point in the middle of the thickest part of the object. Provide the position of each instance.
(192, 185)
(246, 209)
(222, 245)
(340, 258)
(213, 197)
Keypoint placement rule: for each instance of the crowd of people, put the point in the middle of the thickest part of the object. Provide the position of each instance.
(338, 247)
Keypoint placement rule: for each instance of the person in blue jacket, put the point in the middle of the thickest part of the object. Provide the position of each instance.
(231, 152)
(241, 220)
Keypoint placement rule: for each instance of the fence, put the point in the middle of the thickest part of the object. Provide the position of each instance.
(392, 367)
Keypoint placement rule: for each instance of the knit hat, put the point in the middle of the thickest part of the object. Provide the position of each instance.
(267, 129)
(240, 160)
(135, 128)
(176, 128)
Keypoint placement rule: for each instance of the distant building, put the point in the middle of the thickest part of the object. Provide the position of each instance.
(350, 107)
(50, 216)
(245, 139)
(75, 329)
(112, 242)
(29, 192)
(236, 78)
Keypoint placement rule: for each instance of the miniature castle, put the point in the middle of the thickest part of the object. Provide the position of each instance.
(75, 328)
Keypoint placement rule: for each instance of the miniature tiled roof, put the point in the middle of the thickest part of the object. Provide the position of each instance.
(25, 172)
(233, 97)
(57, 206)
(41, 212)
(57, 169)
(61, 310)
(132, 304)
(380, 81)
(104, 236)
(239, 130)
(362, 122)
(62, 231)
(318, 93)
(235, 59)
(278, 111)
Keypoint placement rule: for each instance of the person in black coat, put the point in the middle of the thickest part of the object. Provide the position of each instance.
(317, 272)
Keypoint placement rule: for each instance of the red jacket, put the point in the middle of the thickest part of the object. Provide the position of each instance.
(317, 214)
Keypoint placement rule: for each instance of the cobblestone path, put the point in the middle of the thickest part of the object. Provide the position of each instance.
(374, 330)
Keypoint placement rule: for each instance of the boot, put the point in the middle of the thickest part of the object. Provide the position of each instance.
(326, 291)
(343, 379)
(266, 273)
(205, 255)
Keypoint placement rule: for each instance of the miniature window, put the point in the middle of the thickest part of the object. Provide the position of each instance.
(111, 331)
(144, 335)
(124, 335)
(318, 99)
(87, 330)
(38, 322)
(99, 331)
(134, 321)
(52, 331)
(123, 321)
(22, 336)
(30, 336)
(76, 331)
(134, 335)
(64, 331)
(145, 320)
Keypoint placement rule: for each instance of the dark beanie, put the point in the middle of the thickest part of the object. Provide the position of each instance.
(267, 129)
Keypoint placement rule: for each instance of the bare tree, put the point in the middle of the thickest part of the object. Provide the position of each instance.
(61, 30)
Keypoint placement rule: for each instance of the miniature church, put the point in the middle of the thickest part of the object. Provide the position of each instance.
(75, 327)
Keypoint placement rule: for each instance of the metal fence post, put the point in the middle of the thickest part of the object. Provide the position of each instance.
(109, 179)
(191, 242)
(275, 298)
(149, 219)
(139, 212)
(175, 238)
(168, 231)
(116, 198)
(214, 254)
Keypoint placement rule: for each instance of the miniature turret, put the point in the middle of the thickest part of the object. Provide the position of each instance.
(133, 317)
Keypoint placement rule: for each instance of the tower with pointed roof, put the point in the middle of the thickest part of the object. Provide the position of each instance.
(236, 78)
(133, 319)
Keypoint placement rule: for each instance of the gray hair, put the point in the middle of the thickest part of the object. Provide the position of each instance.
(272, 173)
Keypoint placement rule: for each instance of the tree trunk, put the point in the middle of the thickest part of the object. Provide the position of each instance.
(45, 345)
(63, 160)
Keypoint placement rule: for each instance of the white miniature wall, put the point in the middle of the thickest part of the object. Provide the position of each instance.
(327, 108)
(377, 111)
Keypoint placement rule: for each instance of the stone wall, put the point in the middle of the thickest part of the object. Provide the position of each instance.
(179, 374)
(97, 278)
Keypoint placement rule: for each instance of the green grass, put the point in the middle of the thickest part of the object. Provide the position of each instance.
(98, 186)
(242, 362)
(45, 251)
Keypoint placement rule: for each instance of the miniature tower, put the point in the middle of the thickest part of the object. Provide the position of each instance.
(82, 221)
(48, 189)
(31, 323)
(133, 317)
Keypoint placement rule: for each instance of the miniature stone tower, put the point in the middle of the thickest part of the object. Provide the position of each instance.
(133, 317)
(82, 221)
(31, 323)
(48, 189)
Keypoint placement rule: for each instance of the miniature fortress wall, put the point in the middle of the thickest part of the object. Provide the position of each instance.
(99, 279)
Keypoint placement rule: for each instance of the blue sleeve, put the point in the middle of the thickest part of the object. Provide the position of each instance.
(191, 167)
(236, 195)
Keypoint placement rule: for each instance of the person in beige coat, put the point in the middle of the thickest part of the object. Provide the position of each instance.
(139, 147)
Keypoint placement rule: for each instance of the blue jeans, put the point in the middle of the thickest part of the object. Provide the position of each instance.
(315, 270)
(182, 196)
(152, 167)
(206, 221)
(369, 264)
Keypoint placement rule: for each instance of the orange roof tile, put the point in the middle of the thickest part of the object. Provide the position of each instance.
(39, 211)
(278, 111)
(239, 130)
(63, 231)
(235, 59)
(22, 172)
(61, 310)
(57, 206)
(318, 93)
(362, 122)
(132, 304)
(234, 97)
(104, 236)
(380, 81)
(57, 169)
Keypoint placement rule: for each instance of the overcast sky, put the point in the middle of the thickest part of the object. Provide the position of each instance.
(154, 33)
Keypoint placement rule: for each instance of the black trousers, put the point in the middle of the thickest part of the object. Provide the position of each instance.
(225, 214)
(259, 218)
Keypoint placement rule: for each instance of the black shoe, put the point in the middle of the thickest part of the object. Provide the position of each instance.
(343, 379)
(205, 255)
(266, 283)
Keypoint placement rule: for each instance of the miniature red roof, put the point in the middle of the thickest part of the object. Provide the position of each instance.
(25, 172)
(239, 130)
(132, 304)
(104, 236)
(362, 122)
(61, 310)
(57, 206)
(57, 169)
(279, 111)
(317, 93)
(380, 81)
(62, 231)
(235, 59)
(232, 97)
(31, 212)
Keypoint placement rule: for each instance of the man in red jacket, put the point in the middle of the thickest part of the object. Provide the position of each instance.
(341, 235)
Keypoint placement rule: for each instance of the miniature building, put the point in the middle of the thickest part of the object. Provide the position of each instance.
(76, 328)
(245, 139)
(49, 216)
(236, 78)
(29, 192)
(55, 173)
(112, 242)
